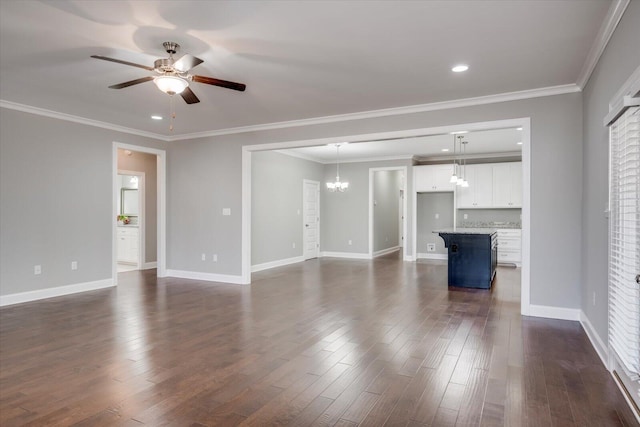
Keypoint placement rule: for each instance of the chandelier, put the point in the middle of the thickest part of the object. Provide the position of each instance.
(337, 185)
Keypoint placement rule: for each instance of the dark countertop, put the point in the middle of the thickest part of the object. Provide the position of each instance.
(461, 230)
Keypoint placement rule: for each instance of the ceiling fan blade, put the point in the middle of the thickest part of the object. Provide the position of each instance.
(222, 83)
(186, 63)
(104, 58)
(189, 97)
(131, 83)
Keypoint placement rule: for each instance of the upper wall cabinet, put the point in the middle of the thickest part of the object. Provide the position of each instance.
(492, 185)
(479, 193)
(507, 185)
(433, 178)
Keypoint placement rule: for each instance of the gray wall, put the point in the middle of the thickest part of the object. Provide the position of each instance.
(428, 205)
(345, 215)
(276, 204)
(203, 179)
(556, 188)
(619, 60)
(55, 200)
(386, 215)
(147, 163)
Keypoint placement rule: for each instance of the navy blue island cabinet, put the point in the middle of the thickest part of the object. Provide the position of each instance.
(472, 256)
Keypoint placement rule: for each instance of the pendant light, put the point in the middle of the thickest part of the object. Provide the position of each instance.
(465, 183)
(337, 185)
(454, 177)
(460, 179)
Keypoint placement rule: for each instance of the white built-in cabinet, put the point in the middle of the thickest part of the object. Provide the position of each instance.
(479, 193)
(492, 186)
(127, 238)
(433, 178)
(510, 246)
(507, 185)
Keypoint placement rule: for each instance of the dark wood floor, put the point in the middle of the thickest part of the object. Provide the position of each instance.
(325, 342)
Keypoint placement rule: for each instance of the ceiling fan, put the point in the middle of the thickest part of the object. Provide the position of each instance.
(173, 75)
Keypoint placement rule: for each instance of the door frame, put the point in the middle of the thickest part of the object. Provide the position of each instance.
(161, 171)
(524, 122)
(141, 215)
(304, 182)
(372, 171)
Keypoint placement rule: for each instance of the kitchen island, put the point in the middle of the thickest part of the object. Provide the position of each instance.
(472, 256)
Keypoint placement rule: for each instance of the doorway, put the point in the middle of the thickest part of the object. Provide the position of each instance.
(131, 224)
(143, 225)
(387, 225)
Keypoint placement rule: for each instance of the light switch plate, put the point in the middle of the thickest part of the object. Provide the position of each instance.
(74, 265)
(226, 211)
(37, 269)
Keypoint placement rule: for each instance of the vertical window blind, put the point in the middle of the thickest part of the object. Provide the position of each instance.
(624, 241)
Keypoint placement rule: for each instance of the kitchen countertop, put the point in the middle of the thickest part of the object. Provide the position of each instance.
(461, 230)
(128, 225)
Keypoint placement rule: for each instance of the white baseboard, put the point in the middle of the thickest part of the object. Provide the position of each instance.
(596, 341)
(278, 263)
(54, 292)
(352, 255)
(207, 277)
(432, 256)
(408, 258)
(149, 265)
(386, 251)
(550, 312)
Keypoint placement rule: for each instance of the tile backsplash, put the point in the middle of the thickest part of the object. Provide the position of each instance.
(497, 218)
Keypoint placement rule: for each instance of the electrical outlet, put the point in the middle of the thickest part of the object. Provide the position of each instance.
(298, 211)
(431, 247)
(215, 258)
(466, 216)
(437, 216)
(594, 299)
(226, 211)
(293, 245)
(204, 257)
(74, 265)
(350, 242)
(37, 269)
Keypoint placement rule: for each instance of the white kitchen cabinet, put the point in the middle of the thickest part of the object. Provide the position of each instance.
(479, 193)
(507, 185)
(433, 178)
(510, 246)
(127, 238)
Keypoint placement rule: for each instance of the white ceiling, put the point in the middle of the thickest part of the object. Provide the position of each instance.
(489, 143)
(299, 60)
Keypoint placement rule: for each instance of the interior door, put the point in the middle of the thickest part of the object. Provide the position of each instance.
(311, 218)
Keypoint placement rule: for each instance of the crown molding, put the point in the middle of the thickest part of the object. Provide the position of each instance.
(411, 109)
(298, 156)
(77, 119)
(611, 21)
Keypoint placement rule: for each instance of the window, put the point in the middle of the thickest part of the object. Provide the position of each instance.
(624, 241)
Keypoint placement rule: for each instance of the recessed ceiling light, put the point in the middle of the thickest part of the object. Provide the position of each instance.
(460, 68)
(156, 117)
(519, 129)
(519, 143)
(445, 149)
(459, 132)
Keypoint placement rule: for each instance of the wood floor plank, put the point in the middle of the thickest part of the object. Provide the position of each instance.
(325, 342)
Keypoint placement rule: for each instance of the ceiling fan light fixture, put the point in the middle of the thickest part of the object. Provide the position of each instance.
(171, 85)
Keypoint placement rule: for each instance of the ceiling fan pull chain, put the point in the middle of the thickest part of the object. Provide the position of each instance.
(173, 114)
